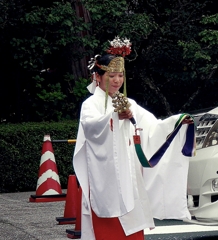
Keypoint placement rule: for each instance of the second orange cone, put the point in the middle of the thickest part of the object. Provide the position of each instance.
(76, 232)
(71, 202)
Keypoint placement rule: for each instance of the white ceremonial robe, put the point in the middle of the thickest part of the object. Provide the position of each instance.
(108, 169)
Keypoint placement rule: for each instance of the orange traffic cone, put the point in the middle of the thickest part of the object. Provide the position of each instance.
(71, 202)
(76, 233)
(48, 186)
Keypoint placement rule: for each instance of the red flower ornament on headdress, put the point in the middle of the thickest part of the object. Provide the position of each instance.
(120, 46)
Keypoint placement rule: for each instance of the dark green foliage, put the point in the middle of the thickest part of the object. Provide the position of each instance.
(172, 65)
(36, 36)
(20, 153)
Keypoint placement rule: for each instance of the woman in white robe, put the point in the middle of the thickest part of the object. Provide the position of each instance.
(107, 166)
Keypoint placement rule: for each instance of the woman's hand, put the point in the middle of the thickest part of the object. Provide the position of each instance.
(188, 120)
(125, 114)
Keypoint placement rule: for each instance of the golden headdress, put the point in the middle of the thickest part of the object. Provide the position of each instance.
(115, 65)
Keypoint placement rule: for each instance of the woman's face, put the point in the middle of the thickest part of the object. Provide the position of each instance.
(115, 81)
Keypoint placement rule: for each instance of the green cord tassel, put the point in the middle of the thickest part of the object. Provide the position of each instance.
(106, 94)
(124, 85)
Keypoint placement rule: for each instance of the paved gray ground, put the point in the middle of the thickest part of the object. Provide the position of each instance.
(22, 220)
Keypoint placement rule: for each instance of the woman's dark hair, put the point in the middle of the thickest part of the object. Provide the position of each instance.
(102, 60)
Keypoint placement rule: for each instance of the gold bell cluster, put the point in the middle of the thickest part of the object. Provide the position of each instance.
(120, 102)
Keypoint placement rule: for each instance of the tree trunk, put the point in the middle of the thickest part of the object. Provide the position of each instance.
(79, 67)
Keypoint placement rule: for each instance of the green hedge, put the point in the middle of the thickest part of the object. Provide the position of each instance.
(20, 153)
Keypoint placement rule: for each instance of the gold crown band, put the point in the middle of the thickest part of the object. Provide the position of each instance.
(115, 65)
